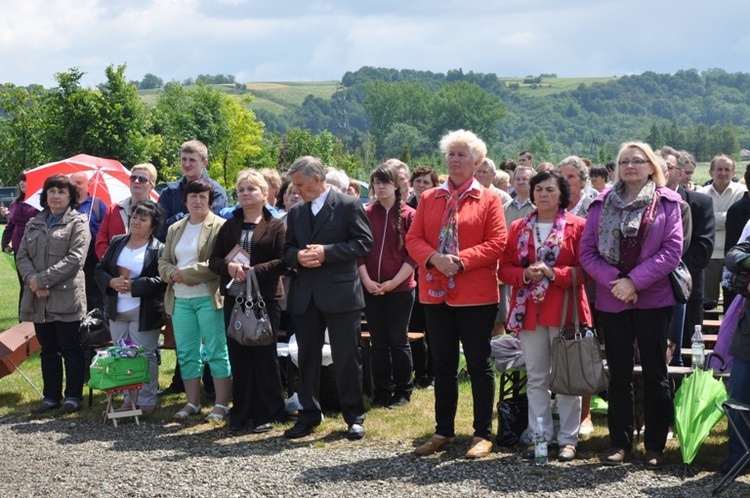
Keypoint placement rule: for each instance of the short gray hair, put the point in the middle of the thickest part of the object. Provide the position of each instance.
(577, 163)
(310, 166)
(489, 162)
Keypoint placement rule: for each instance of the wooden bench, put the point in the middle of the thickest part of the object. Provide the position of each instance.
(711, 324)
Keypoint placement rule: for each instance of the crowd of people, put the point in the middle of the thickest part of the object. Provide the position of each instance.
(461, 258)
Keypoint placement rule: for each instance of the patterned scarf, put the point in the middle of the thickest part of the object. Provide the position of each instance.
(619, 218)
(448, 237)
(548, 253)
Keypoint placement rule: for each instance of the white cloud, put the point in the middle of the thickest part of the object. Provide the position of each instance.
(297, 40)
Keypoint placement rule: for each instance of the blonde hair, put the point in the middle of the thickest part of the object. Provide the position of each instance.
(149, 169)
(465, 138)
(501, 178)
(253, 177)
(195, 147)
(272, 177)
(657, 175)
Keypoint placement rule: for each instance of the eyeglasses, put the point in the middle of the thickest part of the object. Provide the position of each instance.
(634, 162)
(139, 179)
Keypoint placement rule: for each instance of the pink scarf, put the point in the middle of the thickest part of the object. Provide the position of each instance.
(548, 253)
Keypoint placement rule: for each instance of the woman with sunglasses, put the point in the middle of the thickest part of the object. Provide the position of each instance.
(117, 217)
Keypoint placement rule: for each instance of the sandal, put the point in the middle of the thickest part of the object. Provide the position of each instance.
(194, 410)
(218, 417)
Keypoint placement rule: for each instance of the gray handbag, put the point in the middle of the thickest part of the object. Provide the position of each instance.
(249, 324)
(577, 367)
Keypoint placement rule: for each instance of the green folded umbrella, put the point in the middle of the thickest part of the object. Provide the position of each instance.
(697, 408)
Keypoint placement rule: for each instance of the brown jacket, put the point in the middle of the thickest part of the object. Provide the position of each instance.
(266, 245)
(55, 255)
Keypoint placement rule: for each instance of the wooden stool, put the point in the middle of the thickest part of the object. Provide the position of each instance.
(111, 414)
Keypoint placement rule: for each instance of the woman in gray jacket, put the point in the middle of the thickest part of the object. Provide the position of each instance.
(50, 261)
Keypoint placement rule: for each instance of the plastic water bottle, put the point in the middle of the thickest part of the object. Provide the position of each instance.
(698, 351)
(540, 443)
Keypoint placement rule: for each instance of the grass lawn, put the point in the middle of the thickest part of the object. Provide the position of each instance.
(412, 423)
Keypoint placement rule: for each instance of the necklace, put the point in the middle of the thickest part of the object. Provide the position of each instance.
(539, 240)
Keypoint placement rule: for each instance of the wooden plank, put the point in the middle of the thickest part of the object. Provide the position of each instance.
(711, 324)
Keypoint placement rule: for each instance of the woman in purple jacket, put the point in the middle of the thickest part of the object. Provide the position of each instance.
(632, 241)
(19, 214)
(387, 275)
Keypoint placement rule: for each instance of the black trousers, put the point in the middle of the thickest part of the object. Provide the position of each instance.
(344, 331)
(472, 326)
(621, 330)
(421, 359)
(59, 341)
(257, 394)
(388, 321)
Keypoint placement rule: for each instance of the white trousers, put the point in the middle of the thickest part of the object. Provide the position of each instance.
(537, 350)
(126, 326)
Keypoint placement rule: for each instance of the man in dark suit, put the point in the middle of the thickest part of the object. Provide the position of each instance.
(699, 252)
(738, 215)
(325, 235)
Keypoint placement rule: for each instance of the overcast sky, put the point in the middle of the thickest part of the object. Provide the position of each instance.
(292, 40)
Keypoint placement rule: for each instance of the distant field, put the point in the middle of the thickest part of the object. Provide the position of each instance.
(277, 96)
(552, 86)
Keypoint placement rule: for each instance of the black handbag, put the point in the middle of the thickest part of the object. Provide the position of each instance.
(249, 324)
(94, 329)
(682, 283)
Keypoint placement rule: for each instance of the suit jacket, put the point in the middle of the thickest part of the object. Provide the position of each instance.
(737, 216)
(197, 273)
(701, 245)
(149, 286)
(343, 229)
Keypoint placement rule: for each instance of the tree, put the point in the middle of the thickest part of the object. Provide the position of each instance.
(122, 125)
(465, 105)
(21, 132)
(150, 81)
(243, 146)
(70, 117)
(539, 146)
(403, 136)
(390, 103)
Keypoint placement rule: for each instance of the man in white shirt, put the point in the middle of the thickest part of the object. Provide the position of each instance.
(724, 192)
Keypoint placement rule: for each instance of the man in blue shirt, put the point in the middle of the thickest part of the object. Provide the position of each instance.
(94, 208)
(194, 161)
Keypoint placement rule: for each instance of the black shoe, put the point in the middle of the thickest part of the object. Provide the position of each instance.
(46, 406)
(300, 429)
(356, 431)
(170, 390)
(709, 304)
(399, 400)
(381, 401)
(70, 406)
(260, 429)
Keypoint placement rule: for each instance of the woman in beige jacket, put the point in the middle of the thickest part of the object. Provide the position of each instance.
(193, 300)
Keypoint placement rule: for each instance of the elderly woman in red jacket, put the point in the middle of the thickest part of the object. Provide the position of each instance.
(457, 237)
(539, 261)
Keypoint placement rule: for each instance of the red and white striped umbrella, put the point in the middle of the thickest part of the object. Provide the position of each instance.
(109, 180)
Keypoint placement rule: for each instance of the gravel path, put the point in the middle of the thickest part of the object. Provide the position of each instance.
(48, 457)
